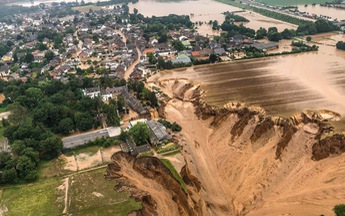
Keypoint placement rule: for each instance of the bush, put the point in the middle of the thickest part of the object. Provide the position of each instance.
(339, 210)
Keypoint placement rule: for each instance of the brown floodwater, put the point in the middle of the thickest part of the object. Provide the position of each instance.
(325, 11)
(282, 85)
(204, 11)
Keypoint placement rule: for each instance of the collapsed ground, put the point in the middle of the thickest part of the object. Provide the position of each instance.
(238, 162)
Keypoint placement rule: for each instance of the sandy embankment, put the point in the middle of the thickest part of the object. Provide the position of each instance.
(270, 174)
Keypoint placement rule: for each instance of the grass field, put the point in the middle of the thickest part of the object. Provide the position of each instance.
(172, 169)
(42, 198)
(87, 8)
(88, 194)
(291, 2)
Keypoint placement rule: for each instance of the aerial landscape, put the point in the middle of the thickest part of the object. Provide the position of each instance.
(172, 107)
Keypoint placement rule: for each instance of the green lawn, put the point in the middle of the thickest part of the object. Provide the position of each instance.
(90, 193)
(291, 2)
(41, 198)
(172, 169)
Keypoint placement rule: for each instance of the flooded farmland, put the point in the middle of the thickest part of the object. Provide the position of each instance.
(282, 85)
(325, 11)
(204, 11)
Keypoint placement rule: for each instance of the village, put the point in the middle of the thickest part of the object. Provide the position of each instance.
(80, 82)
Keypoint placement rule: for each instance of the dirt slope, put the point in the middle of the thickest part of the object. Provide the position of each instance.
(240, 162)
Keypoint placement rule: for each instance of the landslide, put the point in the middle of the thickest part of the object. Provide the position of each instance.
(241, 162)
(148, 180)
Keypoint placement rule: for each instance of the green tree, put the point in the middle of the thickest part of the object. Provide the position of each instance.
(9, 175)
(65, 126)
(274, 36)
(339, 210)
(83, 121)
(213, 58)
(29, 58)
(261, 33)
(50, 148)
(178, 45)
(140, 133)
(26, 167)
(308, 38)
(111, 114)
(33, 96)
(49, 55)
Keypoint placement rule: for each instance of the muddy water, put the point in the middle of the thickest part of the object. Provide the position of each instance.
(204, 11)
(325, 11)
(282, 85)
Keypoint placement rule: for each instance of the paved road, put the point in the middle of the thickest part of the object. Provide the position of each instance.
(81, 139)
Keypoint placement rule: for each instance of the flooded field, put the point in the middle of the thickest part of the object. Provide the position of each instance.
(204, 11)
(326, 11)
(282, 85)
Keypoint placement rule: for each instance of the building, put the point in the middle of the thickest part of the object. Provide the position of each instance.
(82, 139)
(265, 46)
(158, 132)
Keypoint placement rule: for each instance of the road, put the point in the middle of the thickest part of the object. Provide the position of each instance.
(81, 139)
(258, 5)
(131, 68)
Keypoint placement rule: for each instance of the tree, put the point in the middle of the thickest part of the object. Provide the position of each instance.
(135, 11)
(272, 29)
(65, 126)
(308, 38)
(176, 127)
(274, 36)
(140, 133)
(213, 58)
(83, 121)
(178, 45)
(33, 96)
(29, 58)
(9, 175)
(50, 148)
(41, 47)
(49, 55)
(261, 33)
(151, 57)
(288, 34)
(112, 117)
(340, 45)
(339, 210)
(25, 167)
(3, 50)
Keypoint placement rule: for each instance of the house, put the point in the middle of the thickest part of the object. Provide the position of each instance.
(265, 46)
(181, 60)
(92, 92)
(219, 51)
(158, 132)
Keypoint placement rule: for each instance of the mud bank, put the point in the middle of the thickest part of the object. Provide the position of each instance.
(239, 161)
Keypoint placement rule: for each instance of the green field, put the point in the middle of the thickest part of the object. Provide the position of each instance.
(291, 2)
(42, 198)
(88, 194)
